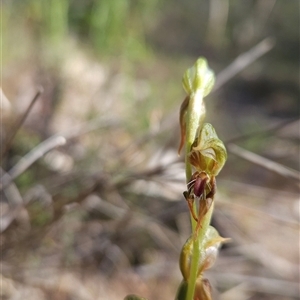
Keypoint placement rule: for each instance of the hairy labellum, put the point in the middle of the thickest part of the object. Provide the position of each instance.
(200, 184)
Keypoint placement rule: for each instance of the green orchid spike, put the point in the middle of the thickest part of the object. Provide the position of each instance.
(197, 81)
(208, 153)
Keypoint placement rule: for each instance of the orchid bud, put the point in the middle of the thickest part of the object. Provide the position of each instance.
(197, 81)
(212, 243)
(209, 249)
(198, 78)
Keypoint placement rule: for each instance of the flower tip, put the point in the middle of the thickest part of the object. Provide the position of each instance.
(198, 78)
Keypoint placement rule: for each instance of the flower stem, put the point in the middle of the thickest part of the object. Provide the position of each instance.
(195, 117)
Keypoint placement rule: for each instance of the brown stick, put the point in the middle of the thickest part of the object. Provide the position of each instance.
(20, 122)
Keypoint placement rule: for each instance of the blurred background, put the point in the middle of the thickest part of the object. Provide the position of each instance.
(91, 183)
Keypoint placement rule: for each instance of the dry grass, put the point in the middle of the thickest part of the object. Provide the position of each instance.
(91, 186)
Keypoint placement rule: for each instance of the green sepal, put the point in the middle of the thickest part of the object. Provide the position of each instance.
(185, 258)
(208, 153)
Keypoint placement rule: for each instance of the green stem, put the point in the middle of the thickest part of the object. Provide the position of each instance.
(195, 117)
(197, 246)
(205, 223)
(194, 269)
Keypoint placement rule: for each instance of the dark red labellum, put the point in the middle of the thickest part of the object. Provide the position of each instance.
(199, 186)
